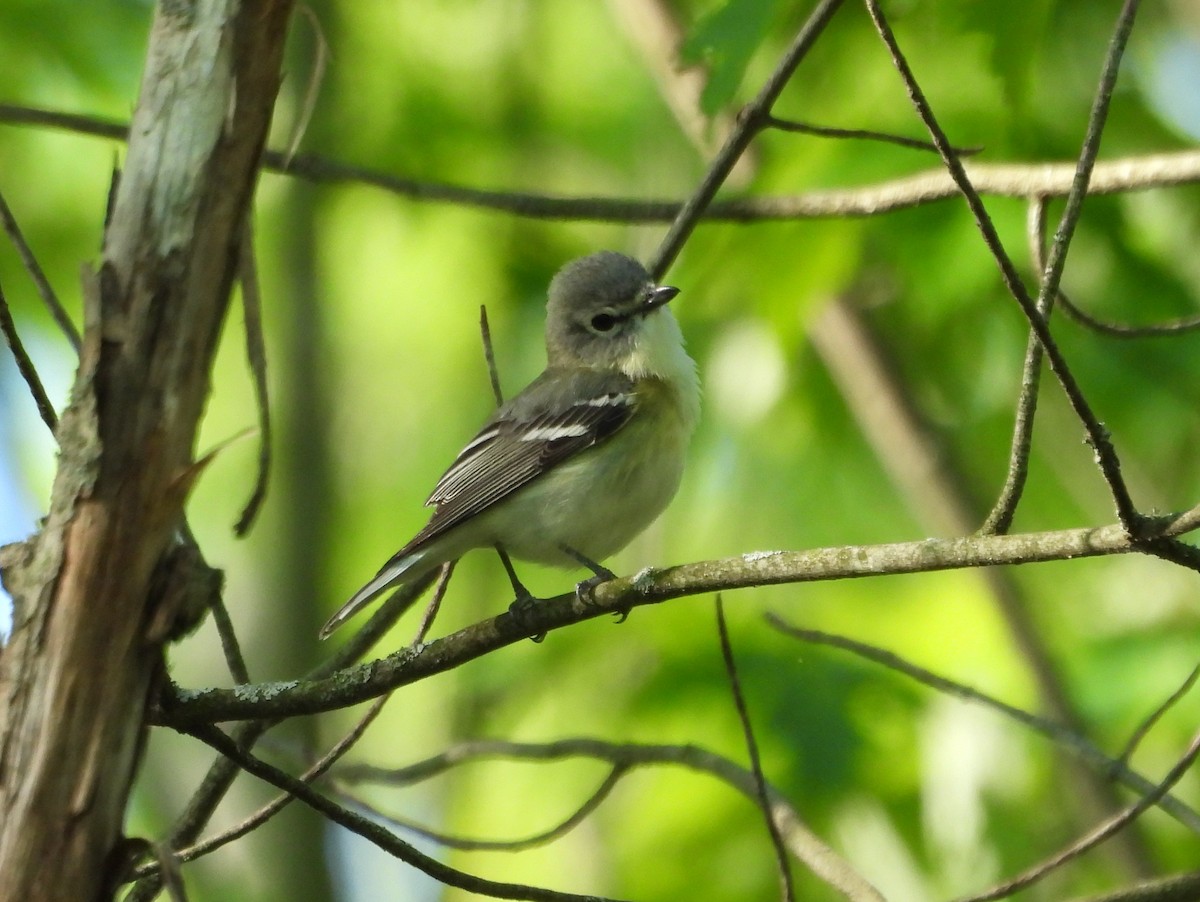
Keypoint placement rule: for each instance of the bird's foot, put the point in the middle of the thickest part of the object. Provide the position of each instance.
(523, 611)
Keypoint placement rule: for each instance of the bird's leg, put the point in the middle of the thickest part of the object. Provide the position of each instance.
(524, 601)
(600, 574)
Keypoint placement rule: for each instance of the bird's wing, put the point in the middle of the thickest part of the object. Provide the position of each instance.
(555, 417)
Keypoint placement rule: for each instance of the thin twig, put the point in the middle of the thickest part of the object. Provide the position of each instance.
(435, 603)
(371, 831)
(1080, 746)
(45, 289)
(1095, 837)
(1168, 329)
(1177, 888)
(234, 659)
(822, 860)
(750, 122)
(999, 519)
(1016, 180)
(25, 366)
(1156, 715)
(489, 354)
(1097, 435)
(220, 775)
(273, 807)
(256, 355)
(313, 87)
(787, 891)
(1097, 117)
(860, 134)
(593, 801)
(167, 863)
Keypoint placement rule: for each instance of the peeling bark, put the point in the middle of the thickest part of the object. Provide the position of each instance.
(96, 587)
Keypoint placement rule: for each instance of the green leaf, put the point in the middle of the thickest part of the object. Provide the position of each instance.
(724, 40)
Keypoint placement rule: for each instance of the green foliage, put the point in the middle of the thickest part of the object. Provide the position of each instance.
(724, 40)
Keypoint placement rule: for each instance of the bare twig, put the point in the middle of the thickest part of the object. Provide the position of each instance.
(751, 121)
(45, 289)
(1134, 173)
(1097, 435)
(1094, 838)
(25, 366)
(256, 354)
(787, 891)
(860, 134)
(1156, 715)
(924, 469)
(822, 860)
(371, 831)
(1180, 888)
(1052, 274)
(1168, 329)
(221, 773)
(489, 355)
(266, 812)
(313, 88)
(999, 519)
(1078, 745)
(232, 649)
(593, 801)
(435, 603)
(172, 876)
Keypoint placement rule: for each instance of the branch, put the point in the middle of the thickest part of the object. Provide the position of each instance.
(999, 519)
(268, 811)
(221, 773)
(1094, 838)
(788, 891)
(1078, 745)
(374, 833)
(1097, 435)
(751, 120)
(77, 687)
(650, 586)
(256, 356)
(1017, 180)
(580, 814)
(45, 289)
(25, 366)
(806, 846)
(1180, 888)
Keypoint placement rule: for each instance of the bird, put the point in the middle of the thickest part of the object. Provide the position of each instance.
(584, 458)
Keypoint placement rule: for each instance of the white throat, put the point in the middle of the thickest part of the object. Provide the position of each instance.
(659, 353)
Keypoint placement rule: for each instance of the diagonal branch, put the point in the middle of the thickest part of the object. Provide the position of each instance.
(1077, 744)
(751, 120)
(25, 366)
(45, 289)
(1095, 837)
(788, 891)
(1097, 435)
(371, 831)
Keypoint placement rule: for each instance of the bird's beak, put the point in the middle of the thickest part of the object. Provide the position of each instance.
(658, 297)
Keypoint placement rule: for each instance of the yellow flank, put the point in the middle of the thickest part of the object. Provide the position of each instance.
(597, 501)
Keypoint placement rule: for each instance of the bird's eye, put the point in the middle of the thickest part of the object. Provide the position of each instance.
(603, 322)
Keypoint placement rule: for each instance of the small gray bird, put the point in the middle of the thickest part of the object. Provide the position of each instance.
(570, 470)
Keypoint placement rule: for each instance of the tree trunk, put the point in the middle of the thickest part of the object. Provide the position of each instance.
(99, 589)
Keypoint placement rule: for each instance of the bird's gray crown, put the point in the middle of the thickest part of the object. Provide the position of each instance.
(594, 308)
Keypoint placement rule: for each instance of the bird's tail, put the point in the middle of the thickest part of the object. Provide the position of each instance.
(394, 571)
